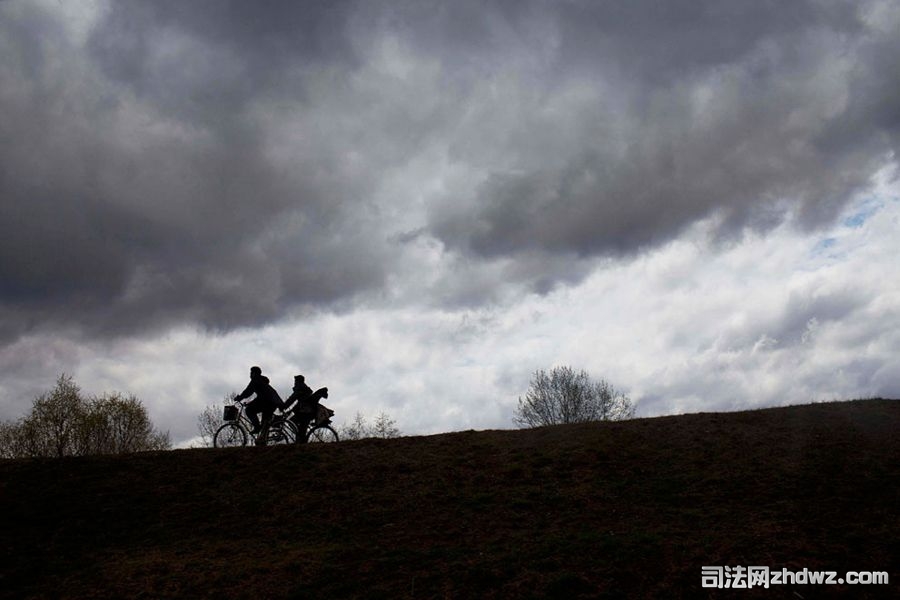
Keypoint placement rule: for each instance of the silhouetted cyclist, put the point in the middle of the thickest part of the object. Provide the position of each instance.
(307, 403)
(265, 402)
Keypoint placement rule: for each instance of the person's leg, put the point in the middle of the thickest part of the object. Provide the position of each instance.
(252, 412)
(302, 422)
(262, 438)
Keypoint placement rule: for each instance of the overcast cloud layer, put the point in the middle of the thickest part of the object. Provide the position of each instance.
(446, 196)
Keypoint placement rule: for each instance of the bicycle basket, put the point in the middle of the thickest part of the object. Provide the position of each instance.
(231, 413)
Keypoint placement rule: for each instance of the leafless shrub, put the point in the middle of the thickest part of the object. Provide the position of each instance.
(384, 427)
(566, 396)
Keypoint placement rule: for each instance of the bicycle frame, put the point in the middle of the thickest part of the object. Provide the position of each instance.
(242, 419)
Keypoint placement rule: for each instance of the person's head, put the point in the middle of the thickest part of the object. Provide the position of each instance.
(299, 379)
(255, 371)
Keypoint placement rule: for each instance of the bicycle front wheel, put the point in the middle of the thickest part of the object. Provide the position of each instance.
(322, 434)
(230, 435)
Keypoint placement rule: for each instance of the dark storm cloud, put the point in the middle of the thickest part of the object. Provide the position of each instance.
(144, 196)
(222, 163)
(744, 111)
(203, 60)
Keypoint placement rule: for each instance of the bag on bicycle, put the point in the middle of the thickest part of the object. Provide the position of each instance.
(324, 414)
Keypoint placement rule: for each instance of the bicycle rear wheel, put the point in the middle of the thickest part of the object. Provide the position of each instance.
(322, 434)
(230, 435)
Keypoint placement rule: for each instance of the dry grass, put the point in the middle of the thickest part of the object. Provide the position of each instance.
(629, 509)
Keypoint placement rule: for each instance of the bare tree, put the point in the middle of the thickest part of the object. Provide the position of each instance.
(52, 427)
(64, 423)
(384, 427)
(566, 396)
(356, 429)
(10, 440)
(209, 421)
(116, 424)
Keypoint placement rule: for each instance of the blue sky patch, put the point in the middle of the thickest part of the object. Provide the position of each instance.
(863, 212)
(825, 245)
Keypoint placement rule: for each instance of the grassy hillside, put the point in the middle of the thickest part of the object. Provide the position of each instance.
(629, 509)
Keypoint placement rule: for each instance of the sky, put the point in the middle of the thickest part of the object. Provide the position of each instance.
(419, 204)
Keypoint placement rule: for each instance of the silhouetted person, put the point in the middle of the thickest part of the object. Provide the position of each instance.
(265, 402)
(307, 404)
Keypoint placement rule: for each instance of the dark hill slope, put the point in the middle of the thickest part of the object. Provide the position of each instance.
(594, 510)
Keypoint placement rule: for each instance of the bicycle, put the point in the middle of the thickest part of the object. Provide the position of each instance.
(237, 429)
